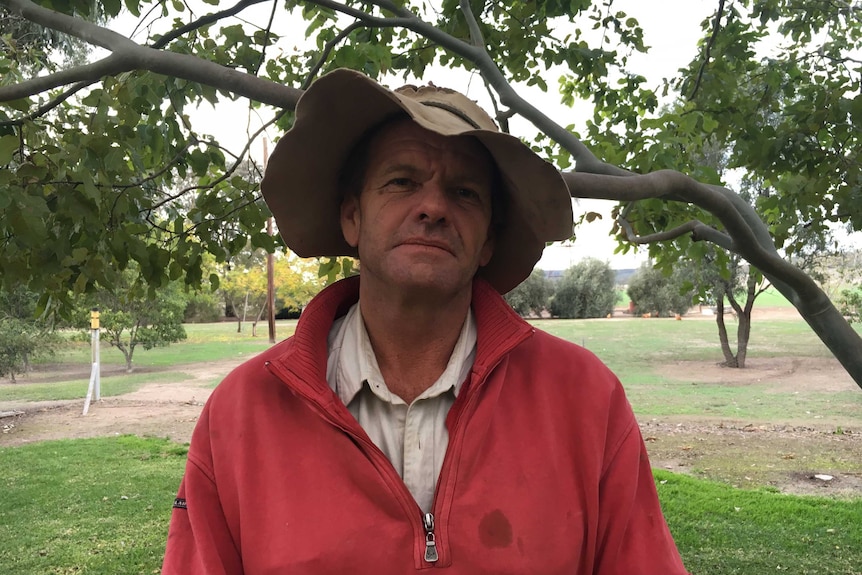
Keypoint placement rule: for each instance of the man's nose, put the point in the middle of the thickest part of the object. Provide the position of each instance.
(433, 202)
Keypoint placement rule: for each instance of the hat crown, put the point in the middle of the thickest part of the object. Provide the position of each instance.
(454, 102)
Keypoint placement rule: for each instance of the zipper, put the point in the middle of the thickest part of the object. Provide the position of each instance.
(382, 462)
(430, 541)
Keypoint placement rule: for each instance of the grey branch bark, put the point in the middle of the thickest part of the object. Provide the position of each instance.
(745, 233)
(127, 55)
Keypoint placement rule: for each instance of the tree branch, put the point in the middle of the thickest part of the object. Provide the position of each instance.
(204, 21)
(716, 26)
(472, 24)
(813, 304)
(127, 56)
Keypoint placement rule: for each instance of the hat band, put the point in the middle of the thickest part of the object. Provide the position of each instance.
(452, 110)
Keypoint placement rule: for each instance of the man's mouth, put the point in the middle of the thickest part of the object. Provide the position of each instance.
(428, 243)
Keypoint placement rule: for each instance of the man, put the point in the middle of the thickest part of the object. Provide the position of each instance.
(414, 421)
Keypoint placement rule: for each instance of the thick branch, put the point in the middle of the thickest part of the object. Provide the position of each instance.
(128, 56)
(699, 232)
(475, 33)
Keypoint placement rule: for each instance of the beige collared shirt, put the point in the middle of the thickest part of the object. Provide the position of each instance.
(414, 437)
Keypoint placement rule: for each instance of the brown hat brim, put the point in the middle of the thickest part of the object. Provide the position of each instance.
(301, 182)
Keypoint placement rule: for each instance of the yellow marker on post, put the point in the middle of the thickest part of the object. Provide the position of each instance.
(94, 319)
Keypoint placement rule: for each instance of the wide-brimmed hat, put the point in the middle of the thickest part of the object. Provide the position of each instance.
(301, 184)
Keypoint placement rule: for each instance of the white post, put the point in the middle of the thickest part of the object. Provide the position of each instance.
(94, 389)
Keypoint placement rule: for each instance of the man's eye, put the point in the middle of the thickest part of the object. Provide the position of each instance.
(467, 193)
(400, 182)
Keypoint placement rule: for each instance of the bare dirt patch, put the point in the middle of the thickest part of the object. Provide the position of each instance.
(785, 374)
(155, 409)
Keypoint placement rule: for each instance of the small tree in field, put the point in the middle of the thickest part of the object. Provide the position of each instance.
(131, 317)
(851, 304)
(653, 292)
(23, 336)
(585, 290)
(532, 295)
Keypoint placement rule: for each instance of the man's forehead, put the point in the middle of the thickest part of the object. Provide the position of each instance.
(403, 137)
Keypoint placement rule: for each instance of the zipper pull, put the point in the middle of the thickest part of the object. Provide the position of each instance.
(430, 541)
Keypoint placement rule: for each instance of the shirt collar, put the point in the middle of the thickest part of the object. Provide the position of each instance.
(352, 361)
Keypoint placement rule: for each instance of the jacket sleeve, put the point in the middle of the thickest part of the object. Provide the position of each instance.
(200, 541)
(634, 538)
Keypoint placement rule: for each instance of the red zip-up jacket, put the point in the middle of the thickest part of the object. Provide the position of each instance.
(545, 471)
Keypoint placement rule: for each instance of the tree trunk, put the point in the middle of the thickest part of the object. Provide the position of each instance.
(743, 330)
(729, 359)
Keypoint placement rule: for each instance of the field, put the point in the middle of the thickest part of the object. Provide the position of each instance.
(737, 453)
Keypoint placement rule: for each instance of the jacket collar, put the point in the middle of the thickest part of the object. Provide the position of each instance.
(498, 327)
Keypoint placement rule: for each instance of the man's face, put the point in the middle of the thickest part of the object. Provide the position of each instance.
(422, 219)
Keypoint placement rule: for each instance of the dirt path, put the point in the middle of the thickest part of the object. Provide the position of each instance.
(155, 409)
(787, 457)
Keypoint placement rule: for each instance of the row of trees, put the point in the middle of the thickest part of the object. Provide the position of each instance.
(589, 289)
(134, 316)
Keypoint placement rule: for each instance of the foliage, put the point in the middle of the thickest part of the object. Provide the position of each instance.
(851, 304)
(23, 336)
(654, 292)
(532, 295)
(244, 284)
(587, 289)
(203, 307)
(132, 316)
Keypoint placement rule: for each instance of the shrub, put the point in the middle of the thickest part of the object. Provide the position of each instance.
(652, 291)
(203, 307)
(532, 295)
(585, 290)
(850, 304)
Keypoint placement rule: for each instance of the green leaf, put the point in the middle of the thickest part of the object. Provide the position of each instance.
(8, 146)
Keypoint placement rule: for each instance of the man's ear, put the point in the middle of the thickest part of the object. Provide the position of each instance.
(350, 220)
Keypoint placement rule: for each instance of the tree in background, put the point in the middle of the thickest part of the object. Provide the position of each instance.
(532, 295)
(131, 315)
(24, 335)
(243, 288)
(296, 282)
(91, 170)
(587, 289)
(244, 285)
(654, 292)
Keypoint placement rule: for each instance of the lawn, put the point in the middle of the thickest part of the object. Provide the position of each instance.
(635, 349)
(101, 507)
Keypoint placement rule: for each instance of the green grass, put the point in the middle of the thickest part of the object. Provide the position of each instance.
(637, 349)
(102, 506)
(95, 506)
(77, 389)
(205, 342)
(725, 531)
(771, 298)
